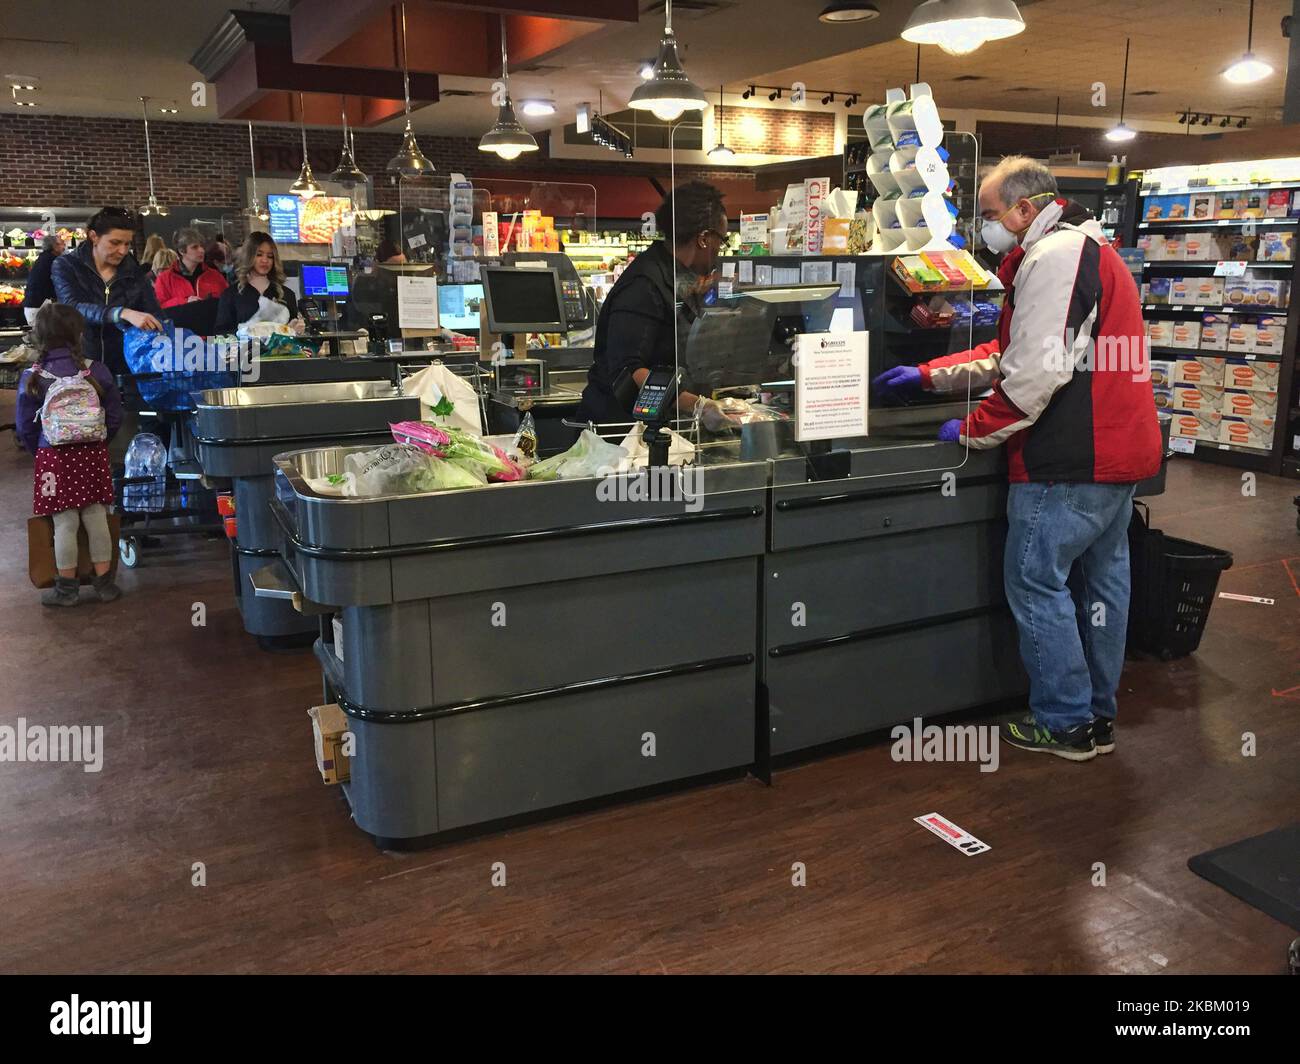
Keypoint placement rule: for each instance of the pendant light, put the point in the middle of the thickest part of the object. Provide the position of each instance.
(848, 11)
(1121, 133)
(409, 160)
(507, 137)
(720, 152)
(1249, 68)
(305, 187)
(961, 26)
(255, 208)
(669, 91)
(153, 206)
(348, 173)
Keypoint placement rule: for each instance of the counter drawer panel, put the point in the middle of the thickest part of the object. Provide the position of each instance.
(386, 656)
(851, 587)
(516, 759)
(510, 640)
(852, 688)
(801, 518)
(335, 583)
(394, 791)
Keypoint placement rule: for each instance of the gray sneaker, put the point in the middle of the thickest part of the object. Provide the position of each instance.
(65, 592)
(105, 589)
(1103, 734)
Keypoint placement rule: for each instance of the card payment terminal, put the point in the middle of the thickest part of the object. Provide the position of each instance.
(654, 405)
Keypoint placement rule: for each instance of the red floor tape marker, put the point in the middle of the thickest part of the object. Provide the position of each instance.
(952, 834)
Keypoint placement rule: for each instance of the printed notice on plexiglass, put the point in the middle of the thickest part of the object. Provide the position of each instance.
(830, 385)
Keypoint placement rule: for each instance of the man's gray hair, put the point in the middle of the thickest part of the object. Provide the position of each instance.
(1020, 177)
(48, 241)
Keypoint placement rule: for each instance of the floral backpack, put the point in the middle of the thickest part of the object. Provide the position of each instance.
(72, 412)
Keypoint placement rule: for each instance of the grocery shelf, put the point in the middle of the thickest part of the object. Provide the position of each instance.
(1217, 223)
(1190, 352)
(1186, 308)
(1157, 191)
(1197, 264)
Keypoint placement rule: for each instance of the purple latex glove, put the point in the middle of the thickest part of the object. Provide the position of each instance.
(950, 431)
(898, 380)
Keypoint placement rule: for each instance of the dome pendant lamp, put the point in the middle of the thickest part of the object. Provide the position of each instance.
(507, 137)
(255, 208)
(720, 152)
(305, 187)
(409, 160)
(961, 26)
(153, 206)
(1121, 133)
(1249, 68)
(669, 91)
(348, 173)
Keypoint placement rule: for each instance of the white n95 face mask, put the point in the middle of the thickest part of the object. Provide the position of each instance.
(997, 237)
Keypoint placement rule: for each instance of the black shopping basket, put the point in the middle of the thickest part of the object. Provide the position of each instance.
(1174, 584)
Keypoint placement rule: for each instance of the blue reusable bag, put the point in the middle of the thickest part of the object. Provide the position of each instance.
(152, 359)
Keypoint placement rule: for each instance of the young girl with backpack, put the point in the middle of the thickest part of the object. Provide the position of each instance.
(68, 410)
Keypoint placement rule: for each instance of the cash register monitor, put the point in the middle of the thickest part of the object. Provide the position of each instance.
(747, 338)
(522, 300)
(325, 281)
(458, 306)
(373, 302)
(578, 304)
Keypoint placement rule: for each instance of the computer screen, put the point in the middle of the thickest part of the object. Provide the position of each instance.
(325, 281)
(458, 306)
(522, 299)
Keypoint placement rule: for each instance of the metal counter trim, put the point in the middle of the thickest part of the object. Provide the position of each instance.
(883, 493)
(790, 649)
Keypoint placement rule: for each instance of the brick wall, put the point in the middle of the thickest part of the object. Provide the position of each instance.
(765, 131)
(56, 160)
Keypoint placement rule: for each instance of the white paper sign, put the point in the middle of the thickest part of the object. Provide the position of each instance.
(746, 271)
(815, 272)
(952, 834)
(753, 228)
(416, 241)
(726, 289)
(1182, 444)
(830, 385)
(1230, 269)
(815, 191)
(417, 302)
(846, 273)
(785, 275)
(729, 269)
(763, 275)
(491, 235)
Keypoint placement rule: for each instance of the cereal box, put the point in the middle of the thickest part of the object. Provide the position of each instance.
(1162, 373)
(1226, 205)
(1266, 293)
(1237, 292)
(1159, 334)
(1180, 290)
(1174, 248)
(1159, 289)
(1202, 206)
(1276, 247)
(1164, 398)
(1279, 202)
(1239, 246)
(1251, 204)
(1153, 246)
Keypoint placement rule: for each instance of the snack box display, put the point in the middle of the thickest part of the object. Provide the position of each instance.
(1241, 336)
(1159, 289)
(1237, 291)
(1202, 205)
(1269, 332)
(1203, 425)
(1153, 246)
(1207, 291)
(1186, 334)
(1214, 332)
(1246, 432)
(1180, 290)
(1191, 399)
(1279, 203)
(1174, 248)
(916, 274)
(1276, 247)
(1252, 376)
(1295, 204)
(1248, 404)
(1159, 333)
(1164, 398)
(1239, 246)
(1162, 373)
(1268, 293)
(1165, 208)
(952, 276)
(1203, 371)
(1198, 247)
(1251, 204)
(1226, 205)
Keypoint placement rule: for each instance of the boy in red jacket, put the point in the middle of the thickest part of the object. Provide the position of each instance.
(1071, 398)
(189, 279)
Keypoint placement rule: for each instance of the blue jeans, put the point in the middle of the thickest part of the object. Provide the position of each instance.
(1067, 580)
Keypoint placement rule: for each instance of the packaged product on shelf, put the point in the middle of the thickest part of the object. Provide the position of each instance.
(1207, 291)
(1193, 398)
(1159, 289)
(1162, 373)
(1203, 371)
(1239, 246)
(1186, 334)
(1203, 425)
(1164, 398)
(1267, 293)
(916, 273)
(1226, 205)
(1276, 247)
(1144, 293)
(1253, 376)
(1153, 246)
(1214, 332)
(1180, 290)
(1158, 333)
(1237, 292)
(1279, 202)
(1251, 204)
(1198, 247)
(1247, 432)
(952, 276)
(1249, 404)
(1166, 208)
(1175, 248)
(1241, 336)
(1269, 331)
(1295, 204)
(1202, 205)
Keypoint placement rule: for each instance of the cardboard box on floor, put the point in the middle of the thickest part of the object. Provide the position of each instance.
(329, 725)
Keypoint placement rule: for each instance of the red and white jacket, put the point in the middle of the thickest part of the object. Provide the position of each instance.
(1070, 373)
(173, 288)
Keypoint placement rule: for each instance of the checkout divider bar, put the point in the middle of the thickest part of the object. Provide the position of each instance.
(285, 521)
(267, 441)
(891, 492)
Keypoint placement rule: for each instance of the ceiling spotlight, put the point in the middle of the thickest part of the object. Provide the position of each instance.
(1241, 124)
(168, 110)
(751, 91)
(828, 98)
(1182, 119)
(848, 11)
(775, 94)
(1206, 120)
(1226, 122)
(851, 101)
(538, 108)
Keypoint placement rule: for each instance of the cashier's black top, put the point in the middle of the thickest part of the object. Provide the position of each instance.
(635, 328)
(238, 304)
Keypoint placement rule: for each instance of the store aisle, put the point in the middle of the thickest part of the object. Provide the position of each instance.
(208, 759)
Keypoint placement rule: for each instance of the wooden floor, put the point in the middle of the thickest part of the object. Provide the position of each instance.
(209, 758)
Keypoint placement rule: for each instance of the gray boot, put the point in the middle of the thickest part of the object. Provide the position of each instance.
(65, 592)
(105, 589)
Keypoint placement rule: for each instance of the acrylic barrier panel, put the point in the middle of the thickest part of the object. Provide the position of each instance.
(436, 224)
(804, 346)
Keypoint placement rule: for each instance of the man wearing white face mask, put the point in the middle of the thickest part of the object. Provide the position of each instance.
(1071, 398)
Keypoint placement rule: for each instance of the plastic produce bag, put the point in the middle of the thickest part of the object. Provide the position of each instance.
(387, 471)
(680, 449)
(428, 438)
(146, 457)
(269, 310)
(589, 457)
(445, 398)
(484, 459)
(280, 345)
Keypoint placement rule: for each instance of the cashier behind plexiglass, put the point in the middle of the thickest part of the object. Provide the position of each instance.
(635, 330)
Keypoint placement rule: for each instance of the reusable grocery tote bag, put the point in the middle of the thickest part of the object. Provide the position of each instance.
(445, 398)
(40, 551)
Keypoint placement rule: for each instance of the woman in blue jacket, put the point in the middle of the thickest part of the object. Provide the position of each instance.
(102, 280)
